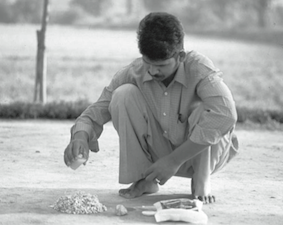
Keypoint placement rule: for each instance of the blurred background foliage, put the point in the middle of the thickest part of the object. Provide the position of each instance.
(82, 60)
(196, 14)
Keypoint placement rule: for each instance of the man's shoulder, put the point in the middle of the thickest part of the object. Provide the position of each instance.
(197, 59)
(130, 73)
(136, 64)
(198, 64)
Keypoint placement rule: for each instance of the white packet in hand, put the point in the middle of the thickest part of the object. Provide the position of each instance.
(79, 161)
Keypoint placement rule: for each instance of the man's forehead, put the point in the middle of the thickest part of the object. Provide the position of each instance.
(156, 62)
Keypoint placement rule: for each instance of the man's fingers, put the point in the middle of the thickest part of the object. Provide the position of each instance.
(163, 181)
(71, 152)
(154, 177)
(76, 149)
(84, 152)
(68, 157)
(151, 175)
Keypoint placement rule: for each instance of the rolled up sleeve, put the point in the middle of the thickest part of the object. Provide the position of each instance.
(93, 118)
(219, 114)
(97, 114)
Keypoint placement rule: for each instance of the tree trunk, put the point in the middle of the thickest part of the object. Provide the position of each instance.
(129, 7)
(40, 80)
(262, 13)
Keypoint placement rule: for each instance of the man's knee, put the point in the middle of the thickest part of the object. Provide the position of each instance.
(124, 92)
(124, 96)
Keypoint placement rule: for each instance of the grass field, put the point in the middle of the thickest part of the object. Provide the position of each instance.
(82, 61)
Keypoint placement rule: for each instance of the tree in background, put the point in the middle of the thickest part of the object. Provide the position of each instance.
(255, 11)
(216, 14)
(158, 5)
(6, 13)
(41, 67)
(27, 11)
(135, 9)
(200, 14)
(20, 11)
(93, 7)
(262, 7)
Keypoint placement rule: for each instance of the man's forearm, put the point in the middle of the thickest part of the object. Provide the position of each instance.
(187, 151)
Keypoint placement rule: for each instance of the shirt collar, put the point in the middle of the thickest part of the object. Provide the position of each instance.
(180, 76)
(146, 77)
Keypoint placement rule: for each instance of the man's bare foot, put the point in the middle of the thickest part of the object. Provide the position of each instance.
(206, 199)
(139, 188)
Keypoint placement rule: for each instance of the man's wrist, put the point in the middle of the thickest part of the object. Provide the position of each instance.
(186, 151)
(81, 135)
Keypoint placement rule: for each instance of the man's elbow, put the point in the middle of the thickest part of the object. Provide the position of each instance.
(234, 115)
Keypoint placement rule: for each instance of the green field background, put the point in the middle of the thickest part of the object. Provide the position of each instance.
(81, 61)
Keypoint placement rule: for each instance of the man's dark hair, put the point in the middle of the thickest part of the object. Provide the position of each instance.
(160, 36)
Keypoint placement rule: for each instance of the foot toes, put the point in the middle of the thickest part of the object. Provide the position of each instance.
(206, 199)
(138, 188)
(125, 193)
(122, 191)
(211, 199)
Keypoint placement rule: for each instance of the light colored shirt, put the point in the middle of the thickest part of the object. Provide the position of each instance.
(196, 81)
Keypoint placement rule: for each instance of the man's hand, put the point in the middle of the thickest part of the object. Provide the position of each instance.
(78, 146)
(162, 170)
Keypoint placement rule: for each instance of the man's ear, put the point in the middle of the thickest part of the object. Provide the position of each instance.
(182, 56)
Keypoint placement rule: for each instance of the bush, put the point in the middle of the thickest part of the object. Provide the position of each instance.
(53, 110)
(6, 13)
(71, 110)
(259, 116)
(65, 18)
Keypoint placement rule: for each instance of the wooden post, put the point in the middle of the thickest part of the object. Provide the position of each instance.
(40, 79)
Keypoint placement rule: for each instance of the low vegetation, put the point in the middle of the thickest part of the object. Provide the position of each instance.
(71, 110)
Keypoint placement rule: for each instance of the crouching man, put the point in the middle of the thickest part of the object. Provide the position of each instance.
(173, 113)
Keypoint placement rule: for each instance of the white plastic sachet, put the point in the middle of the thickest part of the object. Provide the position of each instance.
(185, 210)
(79, 161)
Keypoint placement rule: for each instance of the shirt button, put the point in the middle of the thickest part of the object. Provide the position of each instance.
(164, 114)
(166, 93)
(165, 132)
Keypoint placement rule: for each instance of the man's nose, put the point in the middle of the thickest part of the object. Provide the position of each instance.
(153, 70)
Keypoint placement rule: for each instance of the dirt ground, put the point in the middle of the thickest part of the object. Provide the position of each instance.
(33, 176)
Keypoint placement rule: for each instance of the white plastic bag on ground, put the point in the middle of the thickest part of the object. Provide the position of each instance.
(182, 209)
(185, 215)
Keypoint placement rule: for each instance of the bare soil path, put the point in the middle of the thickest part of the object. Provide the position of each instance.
(33, 176)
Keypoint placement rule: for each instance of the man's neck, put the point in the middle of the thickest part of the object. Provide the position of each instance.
(168, 80)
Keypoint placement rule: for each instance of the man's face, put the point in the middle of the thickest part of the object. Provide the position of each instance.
(161, 70)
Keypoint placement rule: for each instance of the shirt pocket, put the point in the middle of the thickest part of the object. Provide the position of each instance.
(179, 132)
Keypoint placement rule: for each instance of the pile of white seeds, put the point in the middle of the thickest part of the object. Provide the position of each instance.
(79, 203)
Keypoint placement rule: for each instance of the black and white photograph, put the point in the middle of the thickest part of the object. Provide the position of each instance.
(141, 112)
